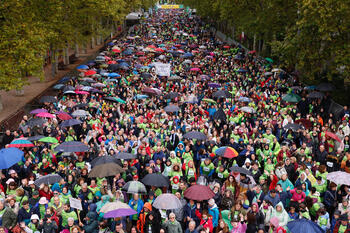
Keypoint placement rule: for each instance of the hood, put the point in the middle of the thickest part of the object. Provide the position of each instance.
(93, 207)
(91, 215)
(225, 215)
(279, 204)
(105, 199)
(148, 206)
(247, 160)
(257, 207)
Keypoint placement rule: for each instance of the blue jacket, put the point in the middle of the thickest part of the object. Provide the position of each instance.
(274, 201)
(139, 206)
(190, 211)
(158, 155)
(214, 211)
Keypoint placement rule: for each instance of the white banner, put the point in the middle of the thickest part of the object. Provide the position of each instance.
(75, 203)
(162, 69)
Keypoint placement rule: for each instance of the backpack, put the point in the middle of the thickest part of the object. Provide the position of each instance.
(281, 229)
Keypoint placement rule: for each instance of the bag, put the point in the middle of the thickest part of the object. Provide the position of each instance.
(17, 229)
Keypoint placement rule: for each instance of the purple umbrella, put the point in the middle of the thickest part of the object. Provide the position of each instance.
(119, 213)
(38, 110)
(214, 85)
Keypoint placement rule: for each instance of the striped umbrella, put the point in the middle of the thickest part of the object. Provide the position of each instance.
(21, 143)
(227, 152)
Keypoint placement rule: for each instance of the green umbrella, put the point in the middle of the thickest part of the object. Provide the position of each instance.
(209, 100)
(269, 59)
(120, 100)
(291, 98)
(48, 140)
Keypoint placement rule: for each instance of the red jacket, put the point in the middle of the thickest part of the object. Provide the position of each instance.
(208, 223)
(47, 195)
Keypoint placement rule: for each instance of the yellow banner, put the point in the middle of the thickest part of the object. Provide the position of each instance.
(170, 6)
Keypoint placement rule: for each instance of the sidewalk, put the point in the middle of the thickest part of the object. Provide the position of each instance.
(12, 103)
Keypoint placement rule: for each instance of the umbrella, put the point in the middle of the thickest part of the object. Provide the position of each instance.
(141, 97)
(110, 206)
(241, 170)
(135, 187)
(268, 73)
(174, 78)
(80, 113)
(248, 109)
(45, 114)
(209, 100)
(269, 59)
(171, 95)
(315, 95)
(58, 86)
(305, 122)
(20, 143)
(157, 180)
(219, 115)
(303, 225)
(214, 85)
(227, 152)
(38, 110)
(167, 201)
(70, 122)
(115, 99)
(291, 98)
(105, 170)
(103, 160)
(35, 138)
(125, 155)
(294, 127)
(195, 69)
(9, 157)
(119, 213)
(171, 108)
(64, 116)
(333, 136)
(339, 177)
(83, 67)
(152, 91)
(195, 135)
(222, 94)
(199, 192)
(241, 70)
(48, 99)
(48, 179)
(244, 99)
(72, 146)
(48, 140)
(90, 72)
(35, 122)
(325, 87)
(113, 75)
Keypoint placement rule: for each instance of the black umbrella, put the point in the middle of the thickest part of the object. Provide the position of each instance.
(146, 75)
(241, 170)
(48, 99)
(125, 155)
(221, 94)
(70, 122)
(157, 180)
(171, 108)
(292, 126)
(171, 95)
(113, 67)
(315, 95)
(83, 105)
(35, 122)
(104, 159)
(35, 138)
(195, 135)
(68, 88)
(325, 87)
(106, 169)
(219, 115)
(49, 179)
(72, 146)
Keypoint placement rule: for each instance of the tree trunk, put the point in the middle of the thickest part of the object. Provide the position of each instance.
(53, 64)
(76, 50)
(92, 42)
(254, 42)
(66, 55)
(1, 106)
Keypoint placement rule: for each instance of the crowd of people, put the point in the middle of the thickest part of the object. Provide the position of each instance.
(221, 119)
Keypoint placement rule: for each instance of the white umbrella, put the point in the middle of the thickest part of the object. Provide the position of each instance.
(167, 201)
(248, 109)
(339, 177)
(114, 206)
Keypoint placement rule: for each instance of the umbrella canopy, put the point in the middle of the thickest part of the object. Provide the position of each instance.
(126, 156)
(152, 91)
(305, 122)
(35, 138)
(38, 110)
(241, 170)
(70, 122)
(45, 114)
(199, 192)
(82, 67)
(64, 116)
(9, 157)
(211, 101)
(48, 179)
(21, 143)
(333, 136)
(315, 95)
(248, 109)
(35, 122)
(325, 87)
(171, 95)
(294, 127)
(141, 97)
(72, 146)
(167, 201)
(244, 99)
(304, 225)
(103, 160)
(171, 108)
(80, 113)
(119, 213)
(195, 135)
(135, 187)
(48, 99)
(157, 180)
(339, 177)
(48, 140)
(291, 98)
(222, 94)
(214, 85)
(227, 152)
(110, 206)
(219, 115)
(115, 99)
(105, 170)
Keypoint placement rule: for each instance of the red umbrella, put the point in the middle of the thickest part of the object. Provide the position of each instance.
(252, 52)
(111, 62)
(159, 50)
(305, 122)
(199, 192)
(90, 72)
(152, 46)
(140, 53)
(64, 116)
(226, 46)
(333, 136)
(116, 50)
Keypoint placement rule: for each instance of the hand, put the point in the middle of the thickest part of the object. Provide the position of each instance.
(198, 205)
(41, 222)
(81, 224)
(22, 225)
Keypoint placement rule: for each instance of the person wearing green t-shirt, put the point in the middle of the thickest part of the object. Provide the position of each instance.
(207, 168)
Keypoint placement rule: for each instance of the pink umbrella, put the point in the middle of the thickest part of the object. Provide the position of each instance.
(45, 114)
(195, 69)
(111, 62)
(82, 92)
(108, 58)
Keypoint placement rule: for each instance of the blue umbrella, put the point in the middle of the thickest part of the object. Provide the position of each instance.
(72, 146)
(83, 67)
(113, 75)
(9, 157)
(70, 122)
(58, 86)
(188, 55)
(303, 225)
(127, 52)
(110, 44)
(241, 70)
(141, 97)
(124, 64)
(120, 60)
(244, 99)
